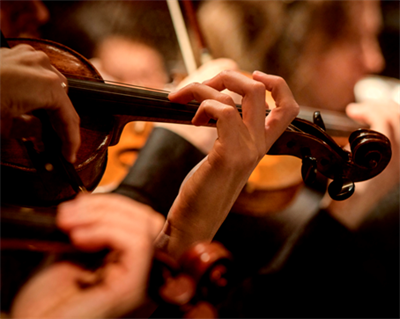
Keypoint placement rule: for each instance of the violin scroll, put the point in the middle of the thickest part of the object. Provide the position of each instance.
(196, 283)
(371, 152)
(370, 149)
(209, 264)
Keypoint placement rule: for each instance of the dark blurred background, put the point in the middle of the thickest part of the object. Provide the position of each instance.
(390, 37)
(152, 17)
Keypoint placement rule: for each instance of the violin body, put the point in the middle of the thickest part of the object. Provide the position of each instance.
(22, 184)
(105, 109)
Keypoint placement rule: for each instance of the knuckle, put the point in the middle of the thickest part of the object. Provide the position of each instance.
(225, 73)
(258, 87)
(274, 122)
(228, 112)
(52, 79)
(194, 85)
(294, 109)
(226, 99)
(206, 103)
(41, 57)
(36, 59)
(279, 81)
(24, 47)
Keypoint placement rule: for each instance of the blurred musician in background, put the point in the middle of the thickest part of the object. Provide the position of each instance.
(130, 42)
(23, 18)
(322, 48)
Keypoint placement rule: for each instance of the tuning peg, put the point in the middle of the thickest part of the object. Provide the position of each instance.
(309, 170)
(317, 119)
(341, 189)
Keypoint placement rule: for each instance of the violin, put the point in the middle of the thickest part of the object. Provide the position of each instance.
(106, 108)
(276, 181)
(192, 286)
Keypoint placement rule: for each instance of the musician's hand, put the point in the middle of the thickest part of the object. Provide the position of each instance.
(30, 82)
(202, 137)
(209, 70)
(210, 190)
(96, 222)
(383, 117)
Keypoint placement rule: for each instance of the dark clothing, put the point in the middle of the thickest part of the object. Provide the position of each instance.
(160, 168)
(330, 272)
(16, 268)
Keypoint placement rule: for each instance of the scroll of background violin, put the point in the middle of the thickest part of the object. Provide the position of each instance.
(192, 286)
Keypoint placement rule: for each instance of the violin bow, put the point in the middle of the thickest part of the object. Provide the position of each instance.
(205, 54)
(182, 35)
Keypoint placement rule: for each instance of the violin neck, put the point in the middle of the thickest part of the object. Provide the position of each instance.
(129, 103)
(135, 104)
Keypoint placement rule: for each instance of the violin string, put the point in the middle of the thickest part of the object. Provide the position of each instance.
(194, 105)
(128, 85)
(159, 95)
(137, 87)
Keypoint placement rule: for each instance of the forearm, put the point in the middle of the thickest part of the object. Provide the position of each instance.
(201, 207)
